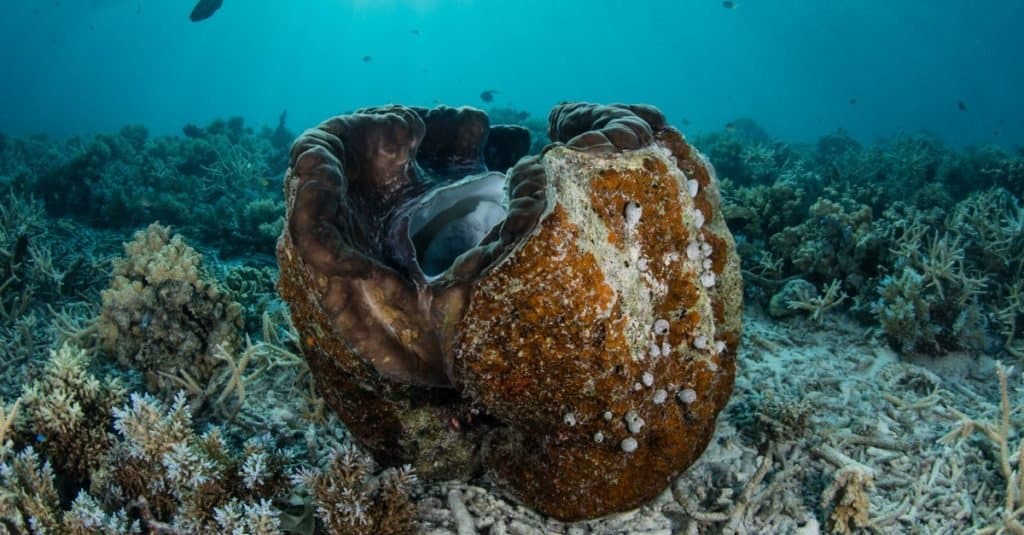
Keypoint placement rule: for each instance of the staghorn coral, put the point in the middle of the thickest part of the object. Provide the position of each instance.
(162, 315)
(575, 337)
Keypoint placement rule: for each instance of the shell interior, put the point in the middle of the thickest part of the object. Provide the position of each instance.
(451, 220)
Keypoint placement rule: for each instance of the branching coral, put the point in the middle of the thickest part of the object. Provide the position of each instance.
(1011, 518)
(818, 305)
(172, 477)
(67, 412)
(7, 417)
(163, 315)
(831, 242)
(350, 499)
(904, 311)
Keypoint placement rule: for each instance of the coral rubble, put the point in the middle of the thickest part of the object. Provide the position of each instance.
(570, 326)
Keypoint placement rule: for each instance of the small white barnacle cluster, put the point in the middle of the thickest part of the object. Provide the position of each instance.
(704, 343)
(633, 422)
(659, 345)
(700, 251)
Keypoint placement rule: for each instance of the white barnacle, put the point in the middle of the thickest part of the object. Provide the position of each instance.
(608, 416)
(634, 422)
(707, 263)
(707, 279)
(700, 342)
(692, 186)
(720, 346)
(569, 419)
(653, 350)
(687, 395)
(661, 326)
(599, 437)
(641, 264)
(666, 348)
(628, 444)
(660, 395)
(698, 218)
(647, 378)
(693, 250)
(632, 213)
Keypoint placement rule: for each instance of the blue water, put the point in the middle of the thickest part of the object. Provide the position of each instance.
(74, 67)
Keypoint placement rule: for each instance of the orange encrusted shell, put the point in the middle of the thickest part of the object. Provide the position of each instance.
(580, 352)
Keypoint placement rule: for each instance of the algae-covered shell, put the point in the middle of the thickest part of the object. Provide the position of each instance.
(454, 316)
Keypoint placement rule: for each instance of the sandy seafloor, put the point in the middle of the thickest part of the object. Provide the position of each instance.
(831, 416)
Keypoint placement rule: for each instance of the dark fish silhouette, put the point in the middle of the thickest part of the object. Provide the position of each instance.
(684, 121)
(414, 31)
(367, 59)
(730, 126)
(961, 105)
(728, 4)
(205, 9)
(853, 100)
(488, 95)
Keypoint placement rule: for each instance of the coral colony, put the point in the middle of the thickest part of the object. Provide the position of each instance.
(481, 322)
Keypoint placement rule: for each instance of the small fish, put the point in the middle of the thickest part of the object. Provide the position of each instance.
(729, 4)
(205, 9)
(367, 59)
(853, 101)
(684, 121)
(961, 105)
(415, 31)
(730, 126)
(488, 95)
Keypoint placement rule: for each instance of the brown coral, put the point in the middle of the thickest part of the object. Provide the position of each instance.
(163, 315)
(569, 326)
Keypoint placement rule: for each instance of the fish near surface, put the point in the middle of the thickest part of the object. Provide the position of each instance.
(205, 9)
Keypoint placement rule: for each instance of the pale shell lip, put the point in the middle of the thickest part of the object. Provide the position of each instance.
(449, 221)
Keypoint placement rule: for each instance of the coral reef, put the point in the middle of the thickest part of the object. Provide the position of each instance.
(427, 312)
(213, 184)
(881, 411)
(163, 315)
